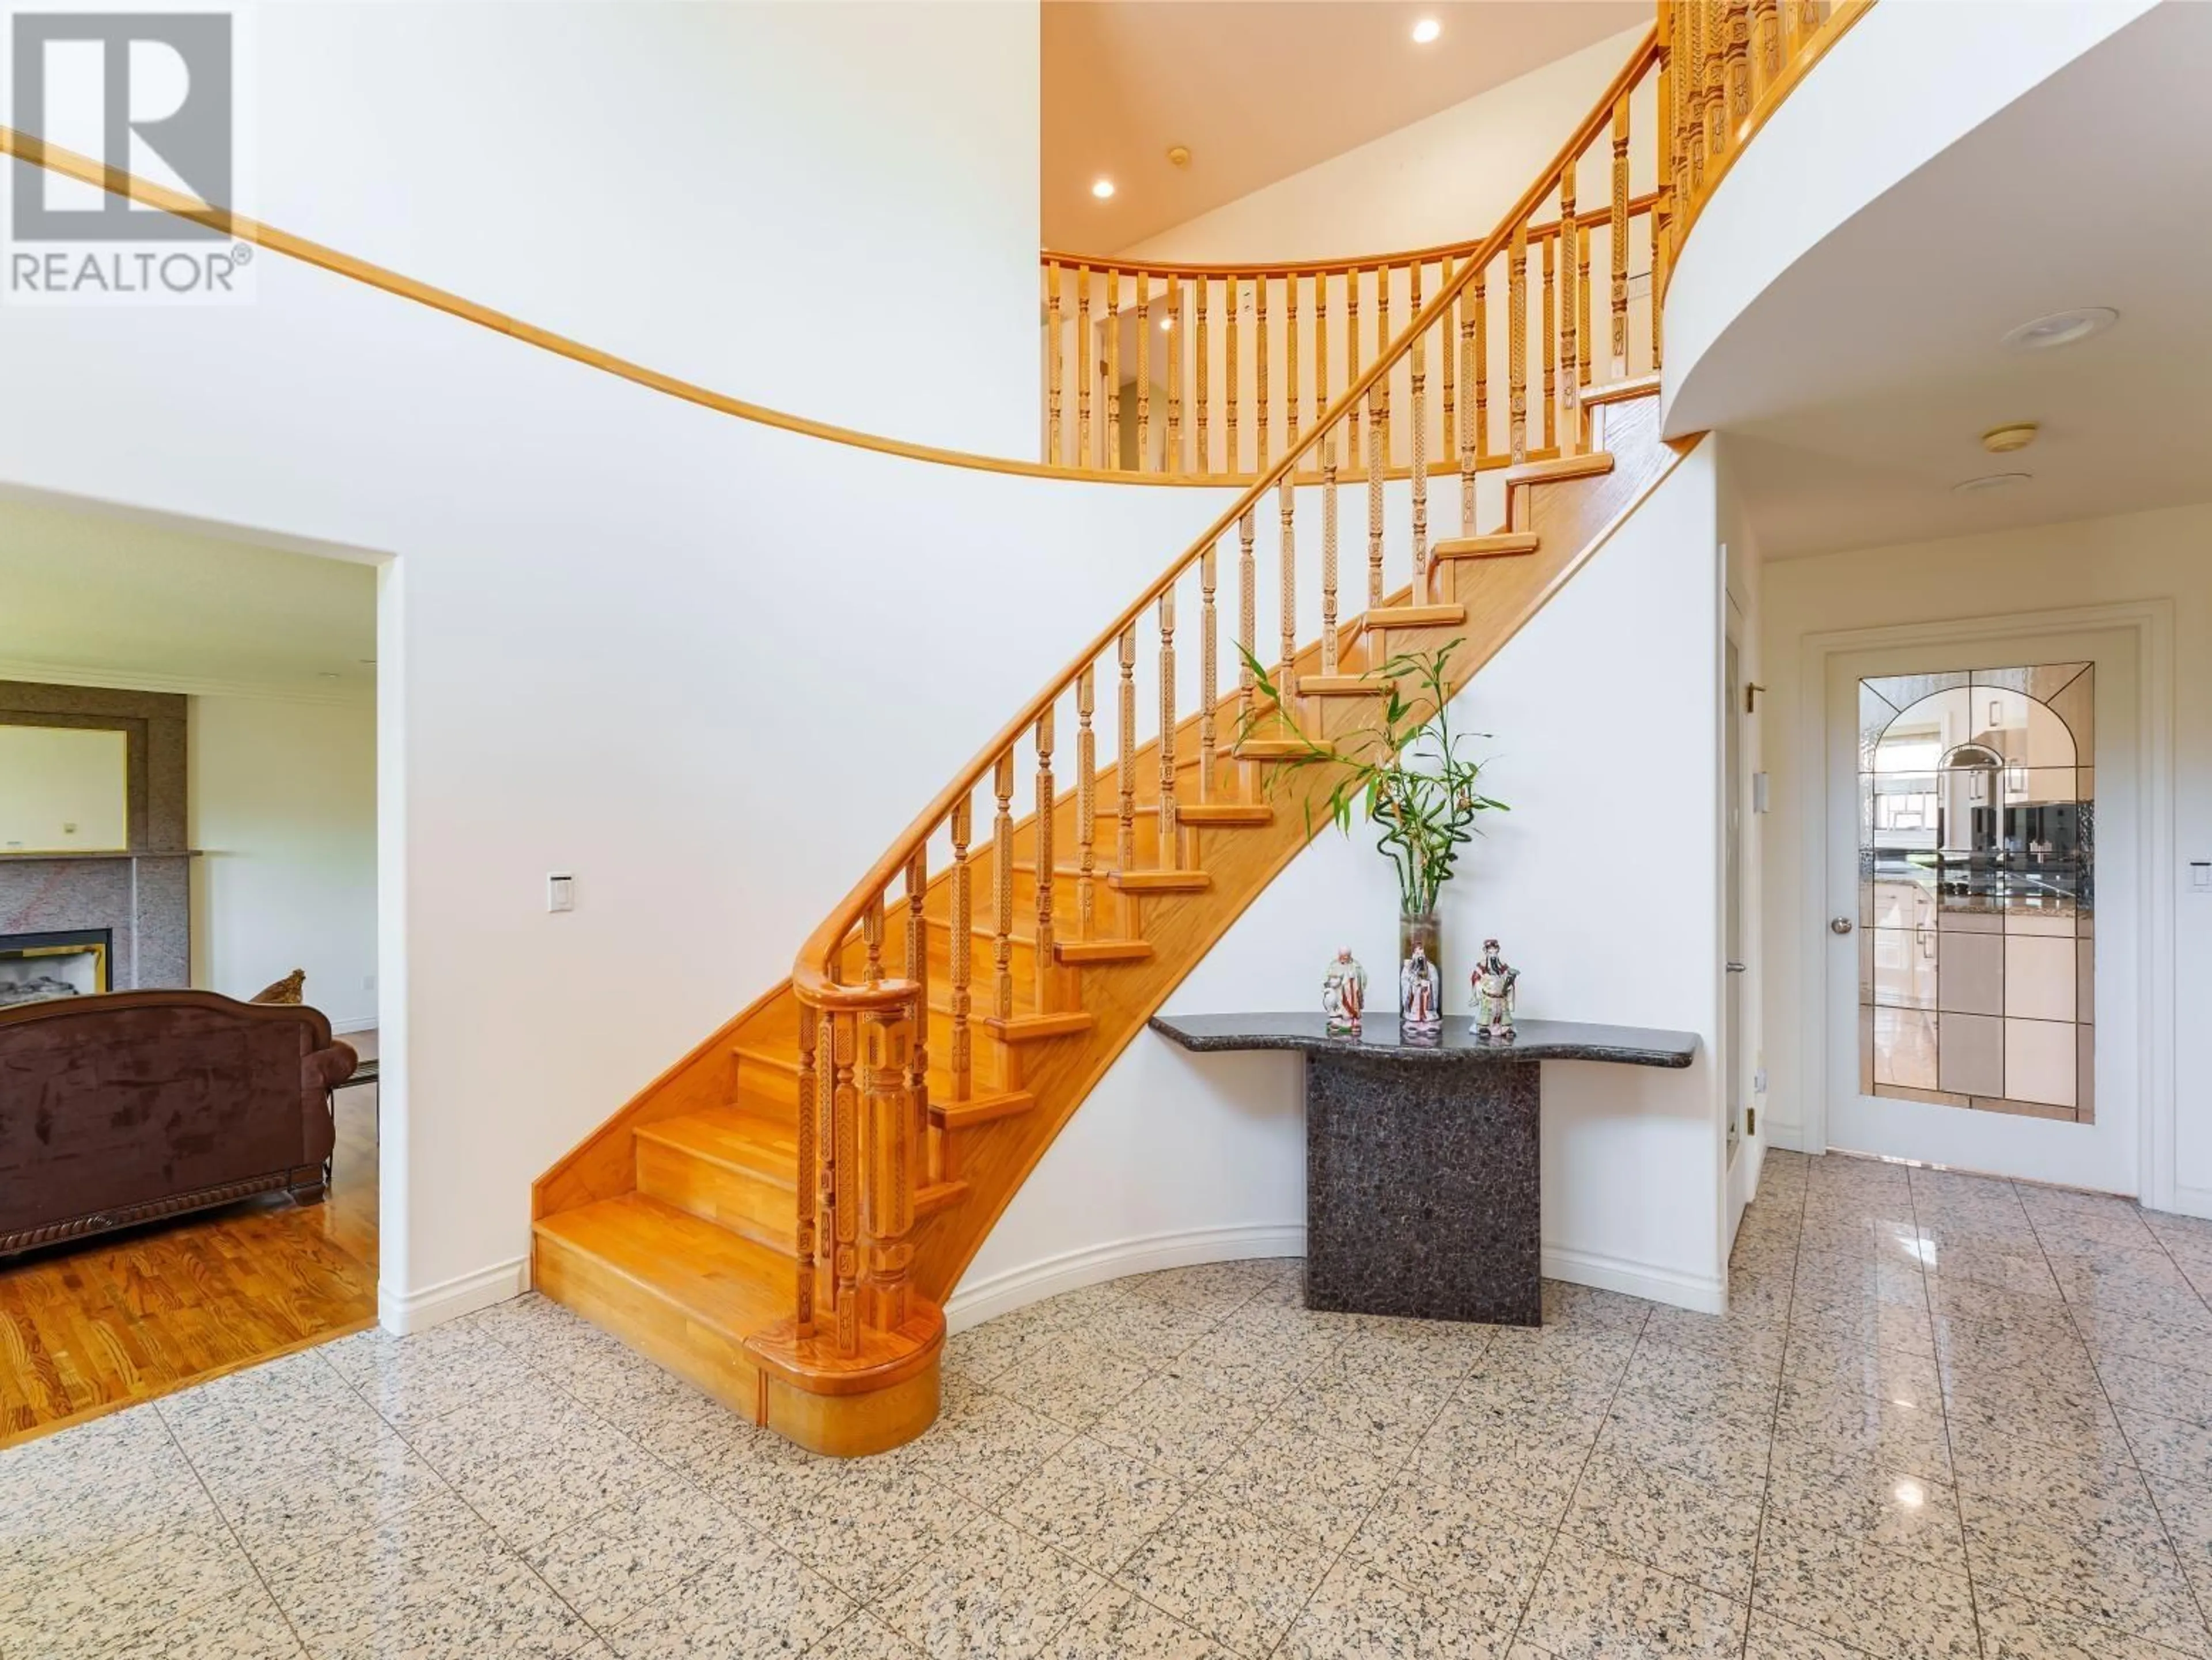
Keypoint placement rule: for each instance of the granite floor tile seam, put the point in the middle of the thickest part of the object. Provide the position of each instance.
(239, 1544)
(1767, 1488)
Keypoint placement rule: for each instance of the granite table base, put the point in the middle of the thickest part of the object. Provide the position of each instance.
(1424, 1189)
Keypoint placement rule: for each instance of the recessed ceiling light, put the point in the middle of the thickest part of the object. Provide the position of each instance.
(1988, 481)
(2003, 441)
(2061, 328)
(1426, 30)
(1103, 189)
(1168, 321)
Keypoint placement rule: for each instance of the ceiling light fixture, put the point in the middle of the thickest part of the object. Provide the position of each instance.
(1426, 30)
(2061, 328)
(1990, 481)
(1178, 155)
(2003, 441)
(1103, 188)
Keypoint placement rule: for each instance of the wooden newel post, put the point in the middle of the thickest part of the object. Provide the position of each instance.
(887, 1035)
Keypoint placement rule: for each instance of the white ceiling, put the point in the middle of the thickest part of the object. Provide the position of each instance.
(1862, 380)
(102, 599)
(1260, 89)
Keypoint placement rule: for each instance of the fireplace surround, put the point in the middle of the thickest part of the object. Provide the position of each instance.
(140, 898)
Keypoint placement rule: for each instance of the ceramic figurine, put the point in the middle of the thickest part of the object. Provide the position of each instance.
(1418, 1019)
(1493, 996)
(1343, 994)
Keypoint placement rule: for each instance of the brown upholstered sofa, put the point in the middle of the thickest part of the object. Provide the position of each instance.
(120, 1109)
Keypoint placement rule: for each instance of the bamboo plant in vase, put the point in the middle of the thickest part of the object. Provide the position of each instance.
(1403, 771)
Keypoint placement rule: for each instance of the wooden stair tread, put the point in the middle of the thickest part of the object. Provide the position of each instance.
(761, 1148)
(724, 1282)
(1075, 953)
(1243, 815)
(1160, 881)
(1035, 1028)
(1621, 391)
(979, 1109)
(1592, 466)
(1345, 685)
(1502, 544)
(1414, 616)
(1268, 749)
(928, 1200)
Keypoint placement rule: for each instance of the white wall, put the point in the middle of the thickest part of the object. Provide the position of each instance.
(1601, 884)
(830, 210)
(281, 796)
(1745, 575)
(1444, 179)
(63, 787)
(2164, 556)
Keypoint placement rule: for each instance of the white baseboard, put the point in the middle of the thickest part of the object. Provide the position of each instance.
(1790, 1138)
(1656, 1285)
(975, 1301)
(346, 1028)
(411, 1311)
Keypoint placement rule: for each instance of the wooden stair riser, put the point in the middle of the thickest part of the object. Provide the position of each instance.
(761, 1209)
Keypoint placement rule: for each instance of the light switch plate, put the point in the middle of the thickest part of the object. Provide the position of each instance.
(560, 890)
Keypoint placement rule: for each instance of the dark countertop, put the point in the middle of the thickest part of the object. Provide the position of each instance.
(1537, 1040)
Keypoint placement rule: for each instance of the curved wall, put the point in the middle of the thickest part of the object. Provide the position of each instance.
(1904, 85)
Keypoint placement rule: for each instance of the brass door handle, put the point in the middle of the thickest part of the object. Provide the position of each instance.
(1839, 925)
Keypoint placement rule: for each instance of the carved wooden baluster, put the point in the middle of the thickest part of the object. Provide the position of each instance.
(1545, 344)
(1236, 459)
(1286, 675)
(1619, 369)
(872, 935)
(1170, 851)
(887, 1037)
(1516, 343)
(1204, 403)
(1328, 556)
(1209, 669)
(1584, 343)
(810, 1084)
(1469, 308)
(1353, 353)
(1087, 805)
(1765, 45)
(1291, 362)
(1175, 321)
(917, 969)
(1718, 139)
(1125, 774)
(1247, 620)
(1084, 370)
(959, 950)
(1448, 357)
(844, 1186)
(1113, 368)
(1373, 505)
(1320, 343)
(1739, 67)
(1040, 955)
(1572, 269)
(1481, 375)
(1144, 373)
(1002, 888)
(1417, 385)
(1383, 345)
(1690, 75)
(1259, 364)
(1051, 362)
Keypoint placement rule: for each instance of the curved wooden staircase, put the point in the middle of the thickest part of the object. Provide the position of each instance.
(780, 1217)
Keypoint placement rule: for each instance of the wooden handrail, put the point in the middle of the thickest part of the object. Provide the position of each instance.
(1334, 267)
(814, 972)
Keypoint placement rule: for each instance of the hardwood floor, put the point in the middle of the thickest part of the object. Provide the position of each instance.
(89, 1328)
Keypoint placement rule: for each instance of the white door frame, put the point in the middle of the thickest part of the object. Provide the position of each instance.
(2152, 622)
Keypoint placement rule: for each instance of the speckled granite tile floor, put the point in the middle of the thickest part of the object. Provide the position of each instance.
(1947, 1419)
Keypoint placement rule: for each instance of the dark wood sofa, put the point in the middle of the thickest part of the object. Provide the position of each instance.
(121, 1108)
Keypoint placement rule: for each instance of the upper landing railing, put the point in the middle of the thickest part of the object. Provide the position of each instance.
(1156, 371)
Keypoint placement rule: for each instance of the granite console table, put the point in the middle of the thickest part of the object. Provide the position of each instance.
(1422, 1189)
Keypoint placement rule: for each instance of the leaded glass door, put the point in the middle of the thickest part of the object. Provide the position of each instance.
(1968, 877)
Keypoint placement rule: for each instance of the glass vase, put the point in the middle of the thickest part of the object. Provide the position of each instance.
(1420, 979)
